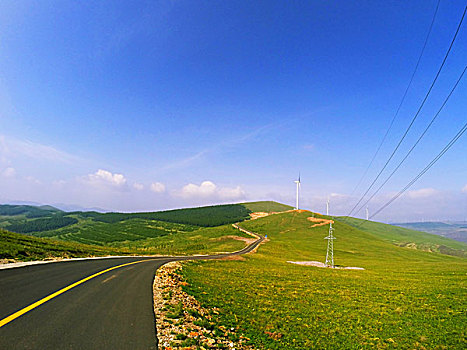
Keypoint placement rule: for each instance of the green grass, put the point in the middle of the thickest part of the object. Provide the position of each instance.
(405, 298)
(202, 241)
(21, 247)
(409, 238)
(100, 233)
(266, 206)
(209, 216)
(30, 219)
(15, 246)
(168, 232)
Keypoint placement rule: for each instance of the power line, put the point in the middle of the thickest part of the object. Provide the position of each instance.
(417, 142)
(415, 179)
(416, 114)
(401, 102)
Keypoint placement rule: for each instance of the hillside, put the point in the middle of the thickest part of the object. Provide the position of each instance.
(120, 228)
(266, 206)
(18, 247)
(405, 237)
(27, 211)
(452, 230)
(404, 298)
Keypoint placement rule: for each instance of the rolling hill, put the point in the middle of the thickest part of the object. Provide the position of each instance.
(76, 234)
(116, 228)
(409, 294)
(405, 237)
(405, 298)
(452, 230)
(18, 247)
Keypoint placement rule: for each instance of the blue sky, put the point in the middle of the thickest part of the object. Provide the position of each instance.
(148, 105)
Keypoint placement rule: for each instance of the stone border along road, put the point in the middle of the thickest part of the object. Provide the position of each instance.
(157, 291)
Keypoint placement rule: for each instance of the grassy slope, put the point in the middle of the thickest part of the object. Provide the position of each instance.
(202, 241)
(405, 237)
(141, 230)
(130, 235)
(15, 246)
(266, 206)
(100, 233)
(404, 299)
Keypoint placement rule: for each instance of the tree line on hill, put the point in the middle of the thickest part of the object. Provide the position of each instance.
(48, 219)
(215, 215)
(42, 224)
(28, 210)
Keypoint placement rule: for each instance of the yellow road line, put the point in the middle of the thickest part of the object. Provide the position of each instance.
(63, 290)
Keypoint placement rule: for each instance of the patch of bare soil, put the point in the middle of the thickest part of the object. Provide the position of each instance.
(301, 211)
(320, 264)
(259, 214)
(182, 323)
(262, 214)
(319, 222)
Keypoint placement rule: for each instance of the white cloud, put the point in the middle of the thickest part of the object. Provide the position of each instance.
(422, 193)
(464, 189)
(33, 180)
(209, 190)
(8, 172)
(12, 147)
(206, 189)
(157, 187)
(138, 186)
(231, 193)
(106, 177)
(59, 183)
(338, 195)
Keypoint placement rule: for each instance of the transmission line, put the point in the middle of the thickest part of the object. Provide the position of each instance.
(416, 114)
(415, 179)
(416, 143)
(401, 102)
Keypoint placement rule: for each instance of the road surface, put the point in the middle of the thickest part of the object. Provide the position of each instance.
(113, 310)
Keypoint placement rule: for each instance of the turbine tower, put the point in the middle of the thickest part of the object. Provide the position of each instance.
(367, 214)
(327, 207)
(298, 190)
(330, 252)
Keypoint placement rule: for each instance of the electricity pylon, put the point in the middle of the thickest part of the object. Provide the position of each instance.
(330, 252)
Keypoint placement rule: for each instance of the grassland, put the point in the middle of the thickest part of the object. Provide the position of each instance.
(18, 247)
(266, 206)
(409, 238)
(183, 231)
(80, 234)
(405, 298)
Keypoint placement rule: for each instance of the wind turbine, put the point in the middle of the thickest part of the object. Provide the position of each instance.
(298, 190)
(367, 214)
(327, 207)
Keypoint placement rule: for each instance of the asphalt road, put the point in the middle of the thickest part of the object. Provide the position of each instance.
(113, 310)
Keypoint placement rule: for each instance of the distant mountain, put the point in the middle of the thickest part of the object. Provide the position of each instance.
(453, 230)
(72, 207)
(57, 206)
(28, 211)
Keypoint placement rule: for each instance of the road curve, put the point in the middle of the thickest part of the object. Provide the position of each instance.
(113, 310)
